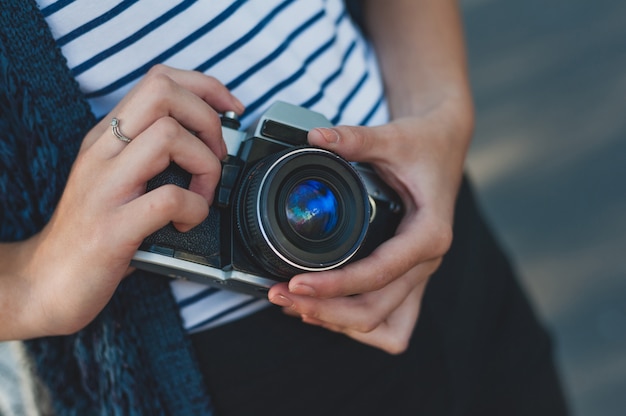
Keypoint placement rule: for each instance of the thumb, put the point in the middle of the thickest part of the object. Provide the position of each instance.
(355, 143)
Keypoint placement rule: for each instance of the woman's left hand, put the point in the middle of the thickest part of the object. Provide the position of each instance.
(377, 300)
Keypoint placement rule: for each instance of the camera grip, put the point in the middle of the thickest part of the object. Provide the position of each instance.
(201, 244)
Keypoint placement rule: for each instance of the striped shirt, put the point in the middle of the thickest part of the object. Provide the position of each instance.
(306, 52)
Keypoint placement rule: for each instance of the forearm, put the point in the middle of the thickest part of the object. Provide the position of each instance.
(16, 310)
(421, 49)
(420, 153)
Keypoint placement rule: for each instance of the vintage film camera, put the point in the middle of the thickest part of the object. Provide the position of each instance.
(281, 208)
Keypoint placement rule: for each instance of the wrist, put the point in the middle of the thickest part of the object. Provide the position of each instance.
(19, 315)
(453, 101)
(441, 129)
(444, 116)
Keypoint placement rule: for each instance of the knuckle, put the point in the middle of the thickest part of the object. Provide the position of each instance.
(157, 70)
(306, 308)
(357, 139)
(213, 167)
(369, 317)
(168, 130)
(368, 324)
(397, 345)
(167, 200)
(213, 81)
(214, 119)
(307, 312)
(158, 85)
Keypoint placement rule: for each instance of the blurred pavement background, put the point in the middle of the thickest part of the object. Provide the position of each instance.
(549, 162)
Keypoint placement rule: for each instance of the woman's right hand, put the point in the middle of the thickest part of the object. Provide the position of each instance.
(60, 279)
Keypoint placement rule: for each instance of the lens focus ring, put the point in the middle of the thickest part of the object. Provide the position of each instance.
(304, 209)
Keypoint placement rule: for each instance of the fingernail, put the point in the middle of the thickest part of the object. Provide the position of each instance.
(302, 290)
(281, 300)
(330, 136)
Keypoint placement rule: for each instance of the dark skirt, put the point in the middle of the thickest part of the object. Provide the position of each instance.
(477, 349)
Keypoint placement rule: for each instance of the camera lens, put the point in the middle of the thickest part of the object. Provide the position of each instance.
(312, 209)
(303, 209)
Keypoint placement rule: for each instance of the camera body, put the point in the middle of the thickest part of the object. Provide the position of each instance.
(281, 208)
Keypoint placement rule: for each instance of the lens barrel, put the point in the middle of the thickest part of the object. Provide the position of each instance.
(300, 210)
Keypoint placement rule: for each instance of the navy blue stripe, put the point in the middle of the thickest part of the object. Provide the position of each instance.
(318, 96)
(349, 98)
(250, 108)
(171, 51)
(144, 31)
(197, 297)
(55, 7)
(283, 84)
(223, 313)
(343, 14)
(95, 22)
(203, 67)
(320, 50)
(271, 57)
(339, 70)
(311, 101)
(377, 105)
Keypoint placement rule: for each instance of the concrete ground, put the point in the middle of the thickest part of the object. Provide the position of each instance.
(549, 162)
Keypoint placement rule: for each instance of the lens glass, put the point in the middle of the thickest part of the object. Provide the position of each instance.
(312, 209)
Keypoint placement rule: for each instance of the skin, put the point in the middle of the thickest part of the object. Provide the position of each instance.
(420, 153)
(47, 292)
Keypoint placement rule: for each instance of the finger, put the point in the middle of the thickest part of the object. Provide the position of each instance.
(132, 124)
(362, 313)
(356, 143)
(394, 334)
(208, 88)
(392, 259)
(205, 97)
(192, 98)
(165, 98)
(153, 150)
(152, 211)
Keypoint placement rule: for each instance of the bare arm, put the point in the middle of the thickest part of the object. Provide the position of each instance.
(421, 153)
(57, 281)
(421, 51)
(14, 292)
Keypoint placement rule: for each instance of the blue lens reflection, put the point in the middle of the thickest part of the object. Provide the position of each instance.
(312, 209)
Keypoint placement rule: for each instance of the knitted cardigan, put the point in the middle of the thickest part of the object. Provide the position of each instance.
(135, 358)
